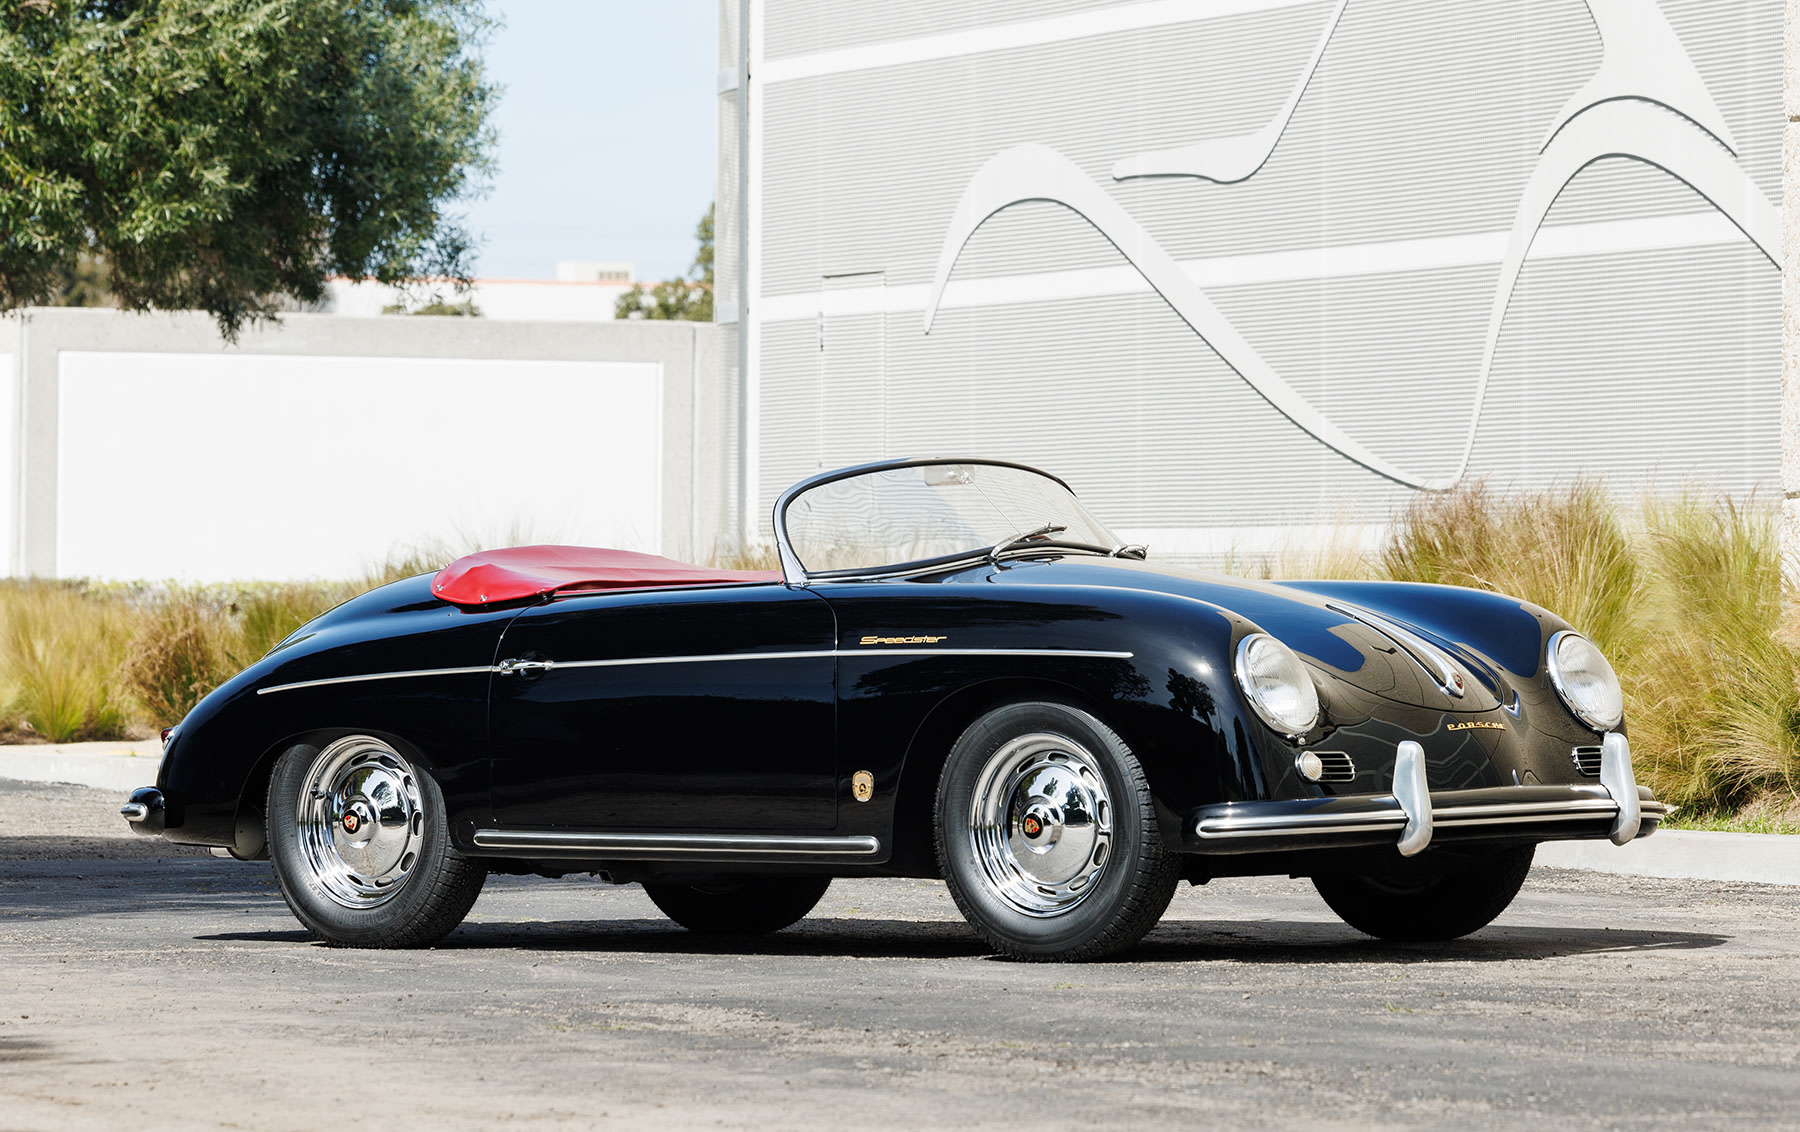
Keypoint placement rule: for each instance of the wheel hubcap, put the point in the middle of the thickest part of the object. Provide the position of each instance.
(1041, 823)
(360, 821)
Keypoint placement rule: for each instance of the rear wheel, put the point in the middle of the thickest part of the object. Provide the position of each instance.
(1418, 907)
(1047, 837)
(746, 906)
(361, 847)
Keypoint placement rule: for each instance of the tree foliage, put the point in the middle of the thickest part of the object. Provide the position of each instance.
(222, 154)
(689, 299)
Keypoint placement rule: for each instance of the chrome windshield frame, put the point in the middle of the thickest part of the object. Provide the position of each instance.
(793, 572)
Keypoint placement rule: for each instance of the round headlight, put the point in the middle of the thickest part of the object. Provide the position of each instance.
(1585, 681)
(1277, 684)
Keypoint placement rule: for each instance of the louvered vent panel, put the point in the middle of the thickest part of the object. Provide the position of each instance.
(1587, 760)
(797, 28)
(728, 34)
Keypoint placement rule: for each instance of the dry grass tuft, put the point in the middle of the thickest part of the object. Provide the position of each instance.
(1714, 706)
(60, 652)
(757, 556)
(1566, 549)
(176, 657)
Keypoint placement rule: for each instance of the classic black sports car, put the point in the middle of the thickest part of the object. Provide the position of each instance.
(956, 673)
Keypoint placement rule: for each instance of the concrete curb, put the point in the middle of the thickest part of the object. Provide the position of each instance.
(1683, 854)
(1756, 858)
(104, 766)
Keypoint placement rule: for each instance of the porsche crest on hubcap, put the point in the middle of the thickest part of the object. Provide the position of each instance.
(360, 821)
(1041, 823)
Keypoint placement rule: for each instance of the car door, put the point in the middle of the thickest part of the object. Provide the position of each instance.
(668, 710)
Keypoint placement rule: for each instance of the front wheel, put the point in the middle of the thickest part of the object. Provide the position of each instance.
(361, 847)
(746, 906)
(1416, 908)
(1047, 836)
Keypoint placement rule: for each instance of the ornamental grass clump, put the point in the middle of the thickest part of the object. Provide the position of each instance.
(60, 655)
(182, 651)
(1714, 707)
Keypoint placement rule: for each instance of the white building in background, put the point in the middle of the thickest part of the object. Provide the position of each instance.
(541, 300)
(1235, 268)
(595, 271)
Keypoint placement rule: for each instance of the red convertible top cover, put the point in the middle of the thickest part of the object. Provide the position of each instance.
(527, 571)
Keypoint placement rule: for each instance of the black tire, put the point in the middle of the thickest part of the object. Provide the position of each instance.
(426, 888)
(1087, 890)
(739, 906)
(1424, 907)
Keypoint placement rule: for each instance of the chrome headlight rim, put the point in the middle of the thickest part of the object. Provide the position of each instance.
(1288, 729)
(1559, 680)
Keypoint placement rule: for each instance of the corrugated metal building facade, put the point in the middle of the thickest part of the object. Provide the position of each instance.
(1238, 266)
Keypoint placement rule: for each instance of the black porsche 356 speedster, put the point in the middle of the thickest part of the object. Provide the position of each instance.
(957, 673)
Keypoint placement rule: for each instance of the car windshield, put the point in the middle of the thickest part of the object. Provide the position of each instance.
(892, 516)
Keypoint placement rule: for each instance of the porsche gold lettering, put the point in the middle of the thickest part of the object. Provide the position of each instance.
(1475, 724)
(902, 640)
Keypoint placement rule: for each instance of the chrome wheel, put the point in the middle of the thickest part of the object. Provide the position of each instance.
(359, 821)
(1041, 823)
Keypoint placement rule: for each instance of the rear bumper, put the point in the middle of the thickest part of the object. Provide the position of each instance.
(144, 810)
(1413, 816)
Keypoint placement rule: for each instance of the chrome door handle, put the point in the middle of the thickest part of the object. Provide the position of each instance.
(510, 667)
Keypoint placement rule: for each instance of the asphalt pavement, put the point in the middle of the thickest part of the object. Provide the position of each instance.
(151, 991)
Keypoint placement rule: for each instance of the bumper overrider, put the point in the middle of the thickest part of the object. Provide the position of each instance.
(1414, 815)
(144, 810)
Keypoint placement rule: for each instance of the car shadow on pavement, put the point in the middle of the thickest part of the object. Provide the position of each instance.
(1275, 941)
(1182, 941)
(859, 938)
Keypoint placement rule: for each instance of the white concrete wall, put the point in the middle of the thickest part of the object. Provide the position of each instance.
(9, 453)
(199, 467)
(536, 300)
(144, 447)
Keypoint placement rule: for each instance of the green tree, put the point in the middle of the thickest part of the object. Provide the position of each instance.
(689, 299)
(224, 154)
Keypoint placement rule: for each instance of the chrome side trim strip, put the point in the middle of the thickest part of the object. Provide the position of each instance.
(1423, 653)
(678, 844)
(704, 658)
(1102, 654)
(375, 676)
(819, 654)
(701, 658)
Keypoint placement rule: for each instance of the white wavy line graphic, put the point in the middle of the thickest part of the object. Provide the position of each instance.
(1641, 57)
(1230, 160)
(1653, 107)
(1034, 172)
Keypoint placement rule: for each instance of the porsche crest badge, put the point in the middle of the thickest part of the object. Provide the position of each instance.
(862, 786)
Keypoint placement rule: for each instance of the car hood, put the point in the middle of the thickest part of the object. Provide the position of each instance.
(1374, 651)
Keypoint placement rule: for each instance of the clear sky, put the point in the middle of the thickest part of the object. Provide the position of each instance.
(606, 146)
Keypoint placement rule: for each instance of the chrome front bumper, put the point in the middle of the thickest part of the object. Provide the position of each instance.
(1616, 808)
